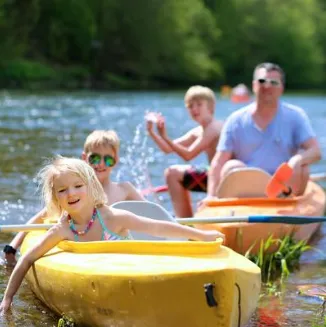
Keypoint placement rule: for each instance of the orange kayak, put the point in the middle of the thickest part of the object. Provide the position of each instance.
(240, 98)
(242, 236)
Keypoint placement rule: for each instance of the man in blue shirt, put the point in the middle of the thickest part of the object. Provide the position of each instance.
(265, 134)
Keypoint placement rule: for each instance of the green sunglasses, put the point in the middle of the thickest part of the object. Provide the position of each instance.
(95, 159)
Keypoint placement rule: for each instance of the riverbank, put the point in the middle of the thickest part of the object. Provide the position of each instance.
(23, 74)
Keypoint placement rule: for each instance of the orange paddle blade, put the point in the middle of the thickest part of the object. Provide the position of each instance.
(277, 183)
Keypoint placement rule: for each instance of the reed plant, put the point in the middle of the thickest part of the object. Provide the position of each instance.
(279, 263)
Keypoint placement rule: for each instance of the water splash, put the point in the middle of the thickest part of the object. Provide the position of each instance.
(134, 164)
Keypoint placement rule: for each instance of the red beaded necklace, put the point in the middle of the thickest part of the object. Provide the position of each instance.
(89, 225)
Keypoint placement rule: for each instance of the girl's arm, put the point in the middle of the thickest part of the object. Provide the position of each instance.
(51, 239)
(159, 228)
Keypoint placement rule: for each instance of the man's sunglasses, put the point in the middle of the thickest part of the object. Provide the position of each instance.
(95, 159)
(272, 82)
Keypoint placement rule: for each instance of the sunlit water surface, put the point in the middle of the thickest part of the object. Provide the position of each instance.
(37, 126)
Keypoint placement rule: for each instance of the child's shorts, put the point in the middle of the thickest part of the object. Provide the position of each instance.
(195, 179)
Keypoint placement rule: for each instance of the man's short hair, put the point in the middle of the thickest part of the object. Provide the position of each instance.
(270, 67)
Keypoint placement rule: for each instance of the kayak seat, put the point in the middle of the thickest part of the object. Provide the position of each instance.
(244, 182)
(146, 209)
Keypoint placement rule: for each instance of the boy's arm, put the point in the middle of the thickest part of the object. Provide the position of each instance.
(200, 143)
(18, 239)
(184, 140)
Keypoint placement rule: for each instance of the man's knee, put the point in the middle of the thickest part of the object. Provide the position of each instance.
(230, 165)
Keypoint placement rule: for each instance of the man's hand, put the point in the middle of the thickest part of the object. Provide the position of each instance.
(295, 162)
(202, 202)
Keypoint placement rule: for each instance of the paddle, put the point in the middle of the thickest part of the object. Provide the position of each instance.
(277, 184)
(155, 211)
(290, 220)
(164, 188)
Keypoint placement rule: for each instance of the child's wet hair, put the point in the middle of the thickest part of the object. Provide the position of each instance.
(199, 92)
(59, 165)
(102, 138)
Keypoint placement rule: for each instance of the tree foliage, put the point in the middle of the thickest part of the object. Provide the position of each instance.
(151, 43)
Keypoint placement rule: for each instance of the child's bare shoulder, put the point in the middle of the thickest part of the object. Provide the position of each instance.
(125, 188)
(196, 131)
(130, 192)
(214, 127)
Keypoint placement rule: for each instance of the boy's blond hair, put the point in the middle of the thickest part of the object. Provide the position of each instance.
(200, 92)
(79, 167)
(103, 138)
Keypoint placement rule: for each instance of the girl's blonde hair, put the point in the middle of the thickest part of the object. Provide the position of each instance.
(60, 165)
(105, 138)
(202, 93)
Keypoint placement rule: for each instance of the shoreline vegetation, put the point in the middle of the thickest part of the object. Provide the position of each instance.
(150, 44)
(36, 76)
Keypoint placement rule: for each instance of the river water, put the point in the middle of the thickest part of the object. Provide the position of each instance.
(34, 127)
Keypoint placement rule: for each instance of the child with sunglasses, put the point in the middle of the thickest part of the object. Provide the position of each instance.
(72, 191)
(101, 152)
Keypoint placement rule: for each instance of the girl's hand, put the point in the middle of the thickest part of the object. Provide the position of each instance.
(212, 235)
(4, 306)
(10, 259)
(63, 218)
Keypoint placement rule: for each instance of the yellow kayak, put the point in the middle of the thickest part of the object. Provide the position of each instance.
(146, 283)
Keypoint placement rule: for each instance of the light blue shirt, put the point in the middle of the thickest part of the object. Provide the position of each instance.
(265, 149)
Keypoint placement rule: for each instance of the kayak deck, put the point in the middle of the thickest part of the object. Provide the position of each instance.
(146, 283)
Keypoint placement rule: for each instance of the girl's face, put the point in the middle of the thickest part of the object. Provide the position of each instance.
(71, 192)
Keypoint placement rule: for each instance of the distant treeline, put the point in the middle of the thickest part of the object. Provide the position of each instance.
(159, 43)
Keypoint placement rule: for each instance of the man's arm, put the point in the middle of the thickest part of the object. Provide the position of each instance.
(306, 141)
(311, 153)
(214, 173)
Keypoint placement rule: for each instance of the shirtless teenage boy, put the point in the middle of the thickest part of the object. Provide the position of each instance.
(200, 102)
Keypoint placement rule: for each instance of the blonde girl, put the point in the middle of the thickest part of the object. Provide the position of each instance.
(72, 192)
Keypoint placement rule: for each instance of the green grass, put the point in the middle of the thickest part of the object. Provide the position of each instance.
(281, 263)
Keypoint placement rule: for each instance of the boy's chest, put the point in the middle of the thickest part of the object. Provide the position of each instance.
(115, 194)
